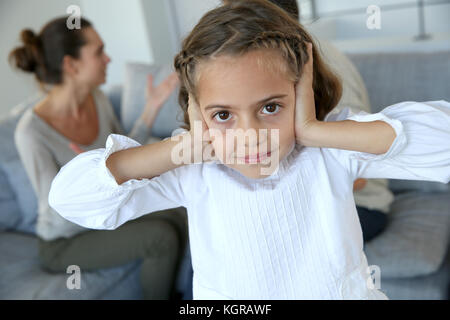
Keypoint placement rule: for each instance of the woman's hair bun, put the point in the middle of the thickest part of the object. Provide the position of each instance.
(27, 57)
(28, 37)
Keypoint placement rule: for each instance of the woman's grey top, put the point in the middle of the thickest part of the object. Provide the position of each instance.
(43, 151)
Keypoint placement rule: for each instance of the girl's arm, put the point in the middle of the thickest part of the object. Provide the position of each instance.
(408, 140)
(146, 161)
(372, 137)
(104, 188)
(157, 158)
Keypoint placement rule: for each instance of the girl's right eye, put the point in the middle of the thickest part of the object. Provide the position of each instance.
(222, 116)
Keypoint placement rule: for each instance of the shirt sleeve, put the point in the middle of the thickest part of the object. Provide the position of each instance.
(86, 193)
(420, 151)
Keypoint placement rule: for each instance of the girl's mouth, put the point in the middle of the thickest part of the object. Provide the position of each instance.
(256, 158)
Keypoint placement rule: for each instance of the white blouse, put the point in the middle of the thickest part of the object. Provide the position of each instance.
(292, 235)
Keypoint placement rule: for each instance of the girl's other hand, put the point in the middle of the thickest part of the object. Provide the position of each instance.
(305, 111)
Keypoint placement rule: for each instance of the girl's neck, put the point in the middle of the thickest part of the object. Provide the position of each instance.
(68, 100)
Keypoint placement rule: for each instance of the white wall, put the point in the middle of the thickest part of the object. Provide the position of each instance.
(121, 24)
(349, 32)
(398, 27)
(15, 86)
(188, 13)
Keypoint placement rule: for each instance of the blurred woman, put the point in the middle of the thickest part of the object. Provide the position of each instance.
(74, 117)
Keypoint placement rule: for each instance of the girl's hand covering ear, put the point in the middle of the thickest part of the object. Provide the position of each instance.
(305, 111)
(202, 147)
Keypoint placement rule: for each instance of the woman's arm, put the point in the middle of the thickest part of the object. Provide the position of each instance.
(156, 96)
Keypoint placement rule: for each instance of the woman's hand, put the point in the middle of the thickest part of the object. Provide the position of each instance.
(202, 148)
(305, 110)
(75, 148)
(156, 96)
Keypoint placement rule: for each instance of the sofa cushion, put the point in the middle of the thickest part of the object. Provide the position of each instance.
(416, 238)
(25, 196)
(429, 287)
(12, 173)
(22, 278)
(170, 116)
(9, 214)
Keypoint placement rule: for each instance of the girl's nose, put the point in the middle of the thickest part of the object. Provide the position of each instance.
(252, 129)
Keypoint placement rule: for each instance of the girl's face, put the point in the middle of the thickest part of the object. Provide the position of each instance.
(250, 92)
(93, 60)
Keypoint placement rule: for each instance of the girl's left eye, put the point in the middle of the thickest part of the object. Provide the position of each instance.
(271, 108)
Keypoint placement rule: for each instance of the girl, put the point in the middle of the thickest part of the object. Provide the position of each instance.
(291, 233)
(75, 116)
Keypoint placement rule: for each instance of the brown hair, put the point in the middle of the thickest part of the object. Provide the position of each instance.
(238, 27)
(43, 53)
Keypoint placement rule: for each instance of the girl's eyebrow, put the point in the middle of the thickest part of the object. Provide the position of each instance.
(275, 96)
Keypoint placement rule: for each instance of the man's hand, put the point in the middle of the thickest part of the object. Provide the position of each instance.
(305, 111)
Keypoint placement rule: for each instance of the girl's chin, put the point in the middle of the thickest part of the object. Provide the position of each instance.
(254, 170)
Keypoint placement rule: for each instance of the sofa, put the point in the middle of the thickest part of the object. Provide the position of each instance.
(412, 253)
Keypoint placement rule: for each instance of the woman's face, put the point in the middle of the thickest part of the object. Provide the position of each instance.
(251, 92)
(93, 61)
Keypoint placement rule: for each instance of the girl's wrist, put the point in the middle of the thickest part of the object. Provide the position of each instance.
(308, 135)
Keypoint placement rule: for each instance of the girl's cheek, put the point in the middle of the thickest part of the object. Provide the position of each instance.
(222, 146)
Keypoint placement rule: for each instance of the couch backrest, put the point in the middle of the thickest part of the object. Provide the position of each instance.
(396, 77)
(18, 200)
